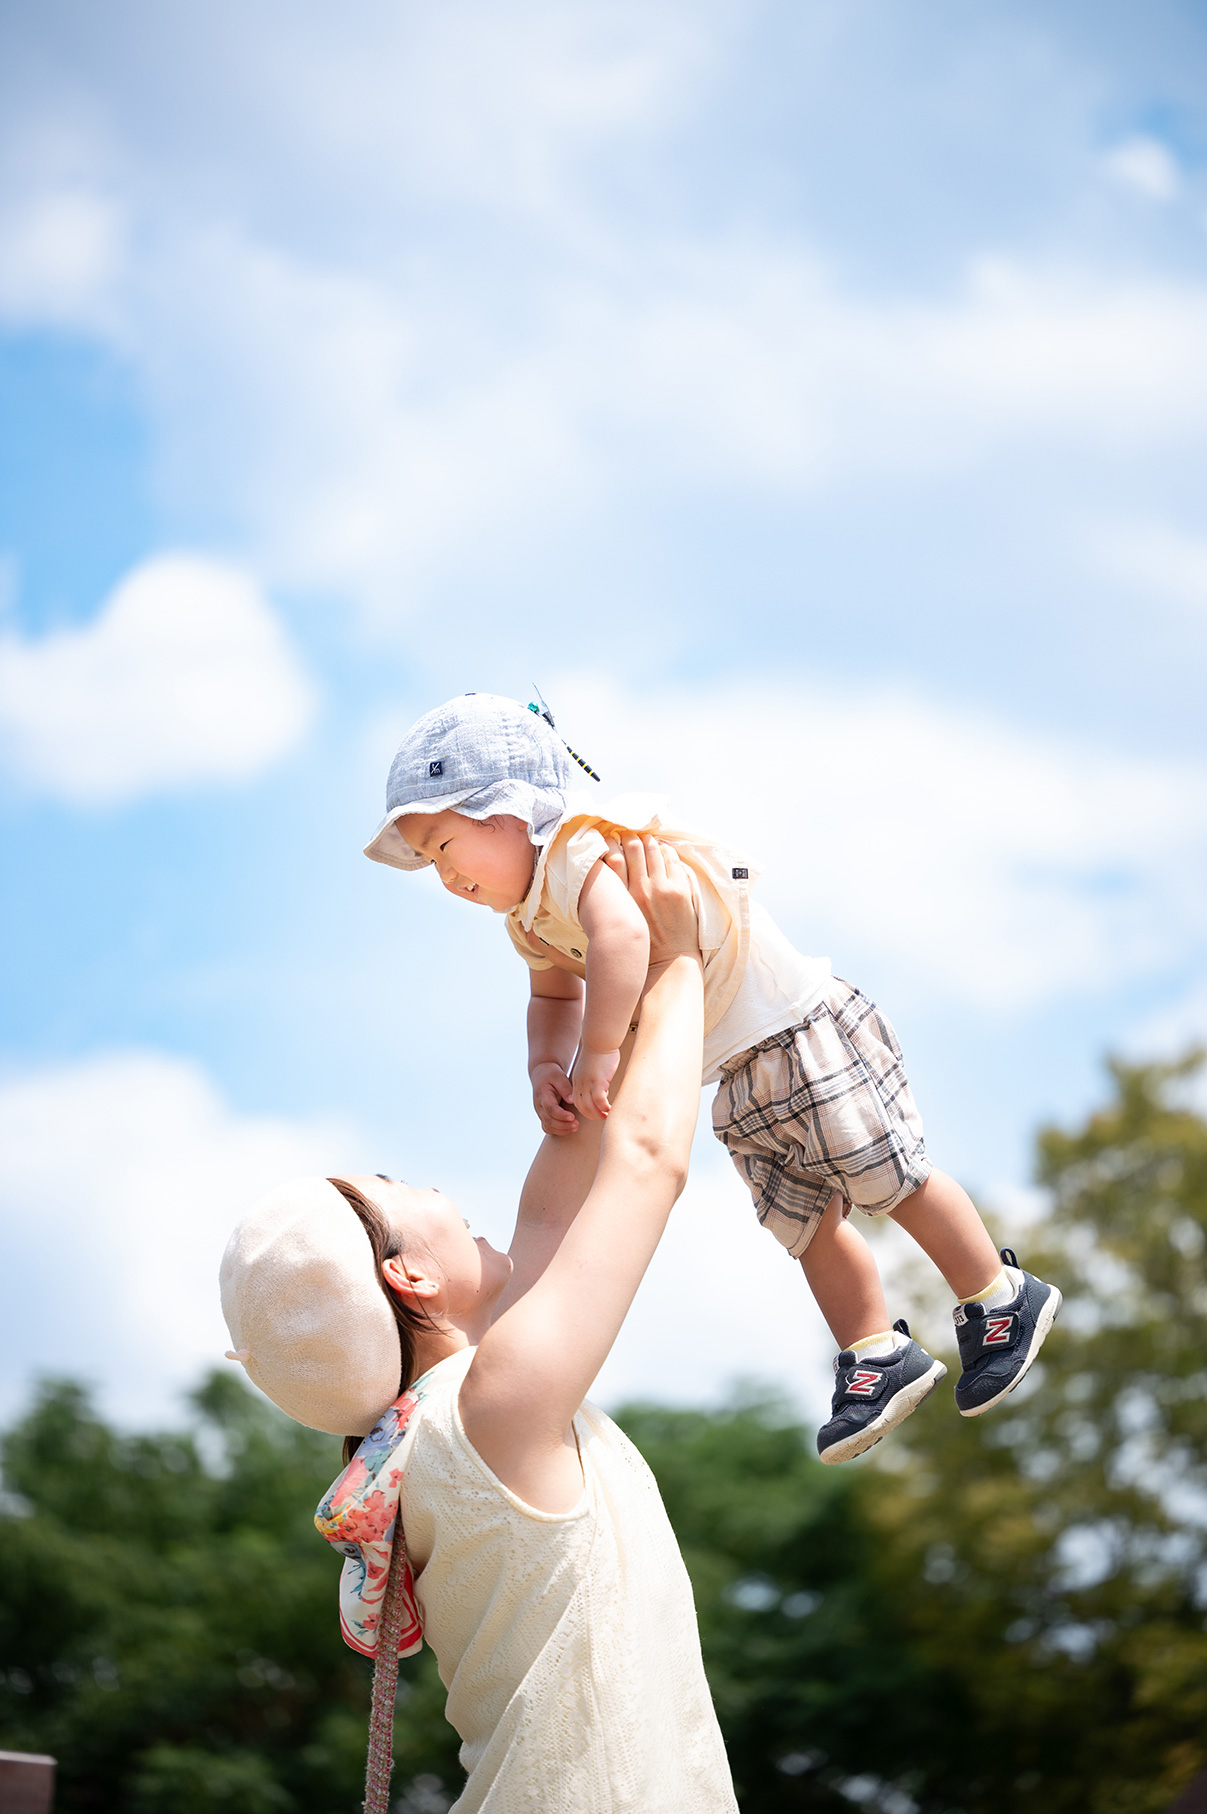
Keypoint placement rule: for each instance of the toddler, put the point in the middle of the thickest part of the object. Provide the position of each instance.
(813, 1105)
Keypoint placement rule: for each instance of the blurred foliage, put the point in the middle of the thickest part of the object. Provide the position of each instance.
(992, 1613)
(987, 1614)
(168, 1619)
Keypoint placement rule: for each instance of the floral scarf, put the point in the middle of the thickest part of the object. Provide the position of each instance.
(359, 1517)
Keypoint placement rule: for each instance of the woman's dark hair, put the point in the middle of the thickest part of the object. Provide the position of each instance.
(387, 1244)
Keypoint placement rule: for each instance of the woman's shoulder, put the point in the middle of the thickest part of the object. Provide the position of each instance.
(435, 1421)
(443, 1459)
(437, 1390)
(444, 1379)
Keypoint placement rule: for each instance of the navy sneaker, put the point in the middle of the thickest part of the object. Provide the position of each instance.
(997, 1346)
(872, 1396)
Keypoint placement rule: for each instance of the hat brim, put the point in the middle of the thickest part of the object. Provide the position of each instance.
(387, 844)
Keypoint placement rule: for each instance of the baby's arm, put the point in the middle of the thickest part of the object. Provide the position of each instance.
(555, 1015)
(618, 957)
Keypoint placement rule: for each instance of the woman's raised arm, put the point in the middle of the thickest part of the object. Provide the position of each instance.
(535, 1365)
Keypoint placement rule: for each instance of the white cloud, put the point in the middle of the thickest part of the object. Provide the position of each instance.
(575, 79)
(771, 367)
(1156, 559)
(993, 867)
(458, 104)
(459, 334)
(121, 1178)
(60, 258)
(1170, 1030)
(1145, 166)
(353, 435)
(362, 427)
(185, 676)
(721, 1302)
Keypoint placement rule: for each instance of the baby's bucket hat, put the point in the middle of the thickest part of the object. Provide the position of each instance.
(480, 754)
(307, 1315)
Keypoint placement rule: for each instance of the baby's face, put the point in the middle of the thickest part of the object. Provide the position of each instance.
(487, 861)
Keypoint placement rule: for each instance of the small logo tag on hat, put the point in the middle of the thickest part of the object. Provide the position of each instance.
(741, 875)
(434, 769)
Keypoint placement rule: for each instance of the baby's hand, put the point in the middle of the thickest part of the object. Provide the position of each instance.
(593, 1072)
(552, 1094)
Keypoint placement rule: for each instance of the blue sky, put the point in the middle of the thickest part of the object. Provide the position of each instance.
(810, 398)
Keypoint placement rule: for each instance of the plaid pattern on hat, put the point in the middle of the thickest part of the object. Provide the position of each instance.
(479, 754)
(822, 1107)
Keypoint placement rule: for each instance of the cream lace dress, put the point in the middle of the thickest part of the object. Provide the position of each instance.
(567, 1640)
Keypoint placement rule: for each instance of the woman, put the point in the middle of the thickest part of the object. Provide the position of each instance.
(547, 1578)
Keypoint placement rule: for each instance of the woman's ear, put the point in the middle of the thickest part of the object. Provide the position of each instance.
(409, 1281)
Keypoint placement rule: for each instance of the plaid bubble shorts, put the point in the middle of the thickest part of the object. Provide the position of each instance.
(819, 1108)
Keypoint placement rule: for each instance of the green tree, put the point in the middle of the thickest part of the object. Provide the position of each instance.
(168, 1619)
(1060, 1540)
(814, 1680)
(984, 1615)
(998, 1613)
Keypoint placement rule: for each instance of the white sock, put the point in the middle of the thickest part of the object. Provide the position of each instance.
(1007, 1285)
(874, 1347)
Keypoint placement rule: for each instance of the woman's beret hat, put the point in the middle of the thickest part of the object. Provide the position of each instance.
(307, 1315)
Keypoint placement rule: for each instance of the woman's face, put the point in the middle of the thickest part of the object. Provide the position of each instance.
(437, 1240)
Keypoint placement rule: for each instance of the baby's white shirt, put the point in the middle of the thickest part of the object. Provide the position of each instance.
(755, 982)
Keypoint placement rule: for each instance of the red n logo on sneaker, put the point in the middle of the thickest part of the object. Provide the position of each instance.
(997, 1331)
(863, 1382)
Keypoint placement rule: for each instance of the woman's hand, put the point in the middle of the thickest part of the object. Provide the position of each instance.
(661, 885)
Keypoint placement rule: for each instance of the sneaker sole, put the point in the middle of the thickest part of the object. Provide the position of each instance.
(1043, 1323)
(896, 1411)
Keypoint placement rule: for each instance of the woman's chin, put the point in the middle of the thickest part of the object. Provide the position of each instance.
(497, 1267)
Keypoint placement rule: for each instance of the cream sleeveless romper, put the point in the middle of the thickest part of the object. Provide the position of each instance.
(567, 1641)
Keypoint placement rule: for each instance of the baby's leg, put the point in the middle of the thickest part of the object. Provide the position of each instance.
(1004, 1313)
(943, 1220)
(881, 1375)
(843, 1278)
(806, 1127)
